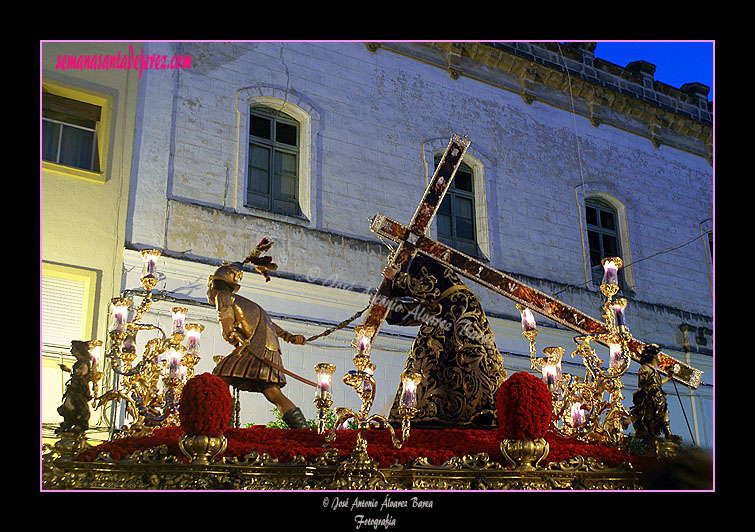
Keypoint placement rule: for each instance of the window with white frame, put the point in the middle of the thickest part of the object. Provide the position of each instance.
(602, 236)
(273, 163)
(457, 217)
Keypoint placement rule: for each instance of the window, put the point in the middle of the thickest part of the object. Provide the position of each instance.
(75, 131)
(68, 301)
(273, 167)
(602, 236)
(456, 215)
(69, 132)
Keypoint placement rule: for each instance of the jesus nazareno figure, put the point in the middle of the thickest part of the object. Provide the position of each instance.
(454, 351)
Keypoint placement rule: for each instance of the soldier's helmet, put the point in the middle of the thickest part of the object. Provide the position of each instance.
(230, 273)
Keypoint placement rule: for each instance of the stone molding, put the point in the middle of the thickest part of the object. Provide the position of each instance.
(627, 98)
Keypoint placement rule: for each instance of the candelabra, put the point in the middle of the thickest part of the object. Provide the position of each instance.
(152, 388)
(362, 380)
(579, 408)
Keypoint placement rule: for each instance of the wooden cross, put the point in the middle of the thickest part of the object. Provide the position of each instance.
(412, 240)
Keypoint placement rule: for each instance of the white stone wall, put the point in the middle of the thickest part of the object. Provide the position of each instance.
(373, 113)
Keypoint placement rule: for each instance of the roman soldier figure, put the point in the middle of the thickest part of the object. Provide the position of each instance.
(255, 364)
(650, 411)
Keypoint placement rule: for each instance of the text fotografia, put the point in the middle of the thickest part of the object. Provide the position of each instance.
(119, 61)
(360, 504)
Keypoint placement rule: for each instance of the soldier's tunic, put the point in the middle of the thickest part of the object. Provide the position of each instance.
(243, 368)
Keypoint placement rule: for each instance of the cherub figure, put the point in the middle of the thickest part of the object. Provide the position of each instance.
(75, 408)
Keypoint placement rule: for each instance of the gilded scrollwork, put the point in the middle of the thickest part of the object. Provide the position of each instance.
(348, 475)
(158, 469)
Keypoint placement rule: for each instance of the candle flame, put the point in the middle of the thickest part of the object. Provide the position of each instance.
(409, 385)
(528, 319)
(578, 415)
(364, 342)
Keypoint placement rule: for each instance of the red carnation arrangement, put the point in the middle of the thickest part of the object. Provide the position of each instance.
(524, 407)
(206, 406)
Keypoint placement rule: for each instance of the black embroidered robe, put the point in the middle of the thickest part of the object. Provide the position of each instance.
(454, 351)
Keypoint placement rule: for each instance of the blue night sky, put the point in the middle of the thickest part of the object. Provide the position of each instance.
(676, 62)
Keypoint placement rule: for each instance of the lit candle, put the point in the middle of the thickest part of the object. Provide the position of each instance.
(577, 415)
(552, 366)
(364, 346)
(174, 360)
(324, 374)
(611, 271)
(550, 376)
(119, 314)
(179, 316)
(615, 356)
(528, 320)
(95, 351)
(324, 385)
(618, 309)
(150, 263)
(410, 382)
(194, 332)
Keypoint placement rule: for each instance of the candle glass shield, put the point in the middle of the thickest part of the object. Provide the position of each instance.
(192, 355)
(551, 367)
(95, 352)
(119, 314)
(610, 284)
(528, 319)
(179, 320)
(408, 403)
(619, 312)
(324, 395)
(409, 382)
(149, 270)
(529, 330)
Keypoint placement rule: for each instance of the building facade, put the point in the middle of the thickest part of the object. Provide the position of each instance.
(303, 143)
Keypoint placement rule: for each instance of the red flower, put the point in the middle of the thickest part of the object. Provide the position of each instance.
(435, 445)
(205, 407)
(524, 407)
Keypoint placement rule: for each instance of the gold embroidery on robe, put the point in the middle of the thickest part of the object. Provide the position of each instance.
(454, 349)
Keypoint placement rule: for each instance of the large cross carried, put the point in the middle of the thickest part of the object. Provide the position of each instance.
(412, 239)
